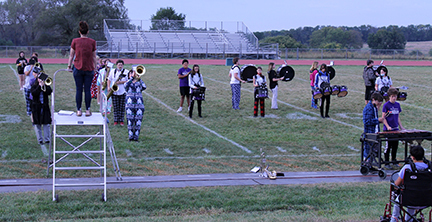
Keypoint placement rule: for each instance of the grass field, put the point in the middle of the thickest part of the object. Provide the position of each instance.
(294, 137)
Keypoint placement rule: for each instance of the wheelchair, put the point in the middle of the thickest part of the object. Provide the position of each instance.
(413, 196)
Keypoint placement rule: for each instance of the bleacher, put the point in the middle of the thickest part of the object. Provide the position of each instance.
(171, 43)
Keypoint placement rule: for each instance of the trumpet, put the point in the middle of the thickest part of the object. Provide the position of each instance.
(44, 77)
(140, 71)
(37, 65)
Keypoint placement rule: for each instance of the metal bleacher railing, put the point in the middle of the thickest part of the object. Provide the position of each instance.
(165, 38)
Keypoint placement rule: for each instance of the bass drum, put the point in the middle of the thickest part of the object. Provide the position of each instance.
(331, 72)
(286, 71)
(247, 72)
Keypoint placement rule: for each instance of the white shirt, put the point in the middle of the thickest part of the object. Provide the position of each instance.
(385, 81)
(114, 75)
(236, 69)
(28, 78)
(259, 80)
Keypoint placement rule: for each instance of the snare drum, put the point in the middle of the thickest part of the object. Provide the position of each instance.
(261, 92)
(343, 91)
(316, 93)
(199, 93)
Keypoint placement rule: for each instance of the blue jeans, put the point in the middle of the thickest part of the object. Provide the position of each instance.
(83, 80)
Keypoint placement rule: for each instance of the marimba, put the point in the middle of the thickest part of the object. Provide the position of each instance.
(376, 139)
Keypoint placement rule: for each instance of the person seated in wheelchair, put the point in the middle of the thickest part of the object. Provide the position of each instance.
(419, 164)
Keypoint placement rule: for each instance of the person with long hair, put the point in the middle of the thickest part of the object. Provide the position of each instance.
(259, 81)
(273, 84)
(83, 49)
(195, 82)
(312, 73)
(21, 62)
(323, 77)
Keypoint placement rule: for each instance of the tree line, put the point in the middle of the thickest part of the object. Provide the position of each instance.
(54, 22)
(390, 37)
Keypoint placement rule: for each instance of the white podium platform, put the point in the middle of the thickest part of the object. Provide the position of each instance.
(62, 121)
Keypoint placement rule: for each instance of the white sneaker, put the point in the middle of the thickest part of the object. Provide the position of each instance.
(188, 108)
(180, 109)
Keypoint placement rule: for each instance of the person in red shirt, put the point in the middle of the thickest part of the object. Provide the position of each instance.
(83, 49)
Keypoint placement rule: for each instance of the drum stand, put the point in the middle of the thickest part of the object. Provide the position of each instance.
(70, 119)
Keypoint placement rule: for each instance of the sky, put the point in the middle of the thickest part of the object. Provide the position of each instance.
(262, 15)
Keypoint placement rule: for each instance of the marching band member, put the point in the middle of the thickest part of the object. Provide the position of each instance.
(103, 80)
(21, 62)
(259, 81)
(28, 82)
(320, 77)
(313, 71)
(182, 74)
(371, 119)
(390, 113)
(369, 77)
(383, 81)
(118, 76)
(41, 114)
(273, 84)
(195, 81)
(234, 75)
(134, 105)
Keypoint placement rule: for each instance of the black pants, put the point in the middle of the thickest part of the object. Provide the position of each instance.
(325, 99)
(393, 146)
(191, 108)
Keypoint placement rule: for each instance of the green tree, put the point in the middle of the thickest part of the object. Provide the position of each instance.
(18, 20)
(55, 22)
(283, 41)
(336, 37)
(167, 19)
(59, 23)
(390, 38)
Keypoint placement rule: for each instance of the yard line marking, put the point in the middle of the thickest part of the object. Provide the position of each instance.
(16, 75)
(315, 148)
(4, 154)
(280, 149)
(202, 126)
(352, 148)
(296, 107)
(167, 150)
(44, 150)
(206, 150)
(128, 152)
